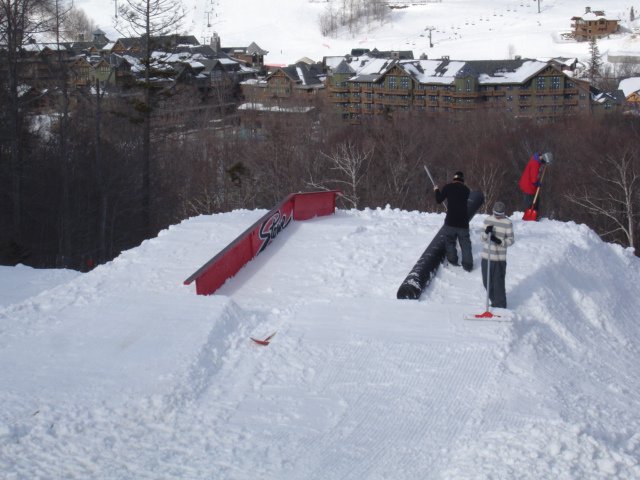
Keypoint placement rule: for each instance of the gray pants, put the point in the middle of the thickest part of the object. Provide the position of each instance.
(497, 292)
(461, 235)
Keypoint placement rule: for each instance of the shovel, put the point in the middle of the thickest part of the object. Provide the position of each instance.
(432, 182)
(531, 214)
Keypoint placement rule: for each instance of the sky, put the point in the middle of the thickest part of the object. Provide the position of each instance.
(124, 372)
(461, 29)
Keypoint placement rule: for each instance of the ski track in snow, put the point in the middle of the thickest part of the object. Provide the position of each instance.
(125, 373)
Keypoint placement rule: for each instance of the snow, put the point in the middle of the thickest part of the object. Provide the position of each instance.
(630, 86)
(124, 372)
(461, 29)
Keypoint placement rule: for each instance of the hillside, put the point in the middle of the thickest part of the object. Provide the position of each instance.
(461, 29)
(124, 372)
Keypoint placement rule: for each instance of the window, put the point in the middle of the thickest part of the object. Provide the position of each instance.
(509, 98)
(404, 83)
(541, 83)
(555, 83)
(392, 82)
(468, 85)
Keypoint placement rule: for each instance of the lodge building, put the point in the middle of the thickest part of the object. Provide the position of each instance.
(367, 86)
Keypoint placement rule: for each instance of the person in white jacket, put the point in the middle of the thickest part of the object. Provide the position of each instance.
(499, 229)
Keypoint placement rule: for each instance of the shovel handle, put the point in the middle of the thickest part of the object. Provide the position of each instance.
(544, 169)
(430, 177)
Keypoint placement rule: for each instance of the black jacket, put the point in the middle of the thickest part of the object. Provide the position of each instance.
(457, 195)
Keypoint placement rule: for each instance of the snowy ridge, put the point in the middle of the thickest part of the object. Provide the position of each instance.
(126, 373)
(460, 29)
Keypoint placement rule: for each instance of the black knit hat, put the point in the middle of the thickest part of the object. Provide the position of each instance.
(459, 176)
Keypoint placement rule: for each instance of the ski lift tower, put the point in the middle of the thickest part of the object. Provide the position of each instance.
(430, 29)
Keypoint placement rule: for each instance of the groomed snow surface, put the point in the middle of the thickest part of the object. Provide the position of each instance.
(125, 373)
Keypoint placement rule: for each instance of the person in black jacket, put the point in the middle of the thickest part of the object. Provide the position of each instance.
(456, 223)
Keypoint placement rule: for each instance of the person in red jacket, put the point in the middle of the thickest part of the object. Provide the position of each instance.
(531, 178)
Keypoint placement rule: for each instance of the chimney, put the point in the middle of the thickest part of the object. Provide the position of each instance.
(587, 9)
(215, 42)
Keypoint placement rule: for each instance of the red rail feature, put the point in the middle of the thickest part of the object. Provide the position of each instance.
(249, 244)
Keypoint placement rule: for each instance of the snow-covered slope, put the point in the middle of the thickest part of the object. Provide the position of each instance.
(461, 29)
(125, 373)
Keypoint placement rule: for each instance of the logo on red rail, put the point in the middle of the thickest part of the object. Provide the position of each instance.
(271, 227)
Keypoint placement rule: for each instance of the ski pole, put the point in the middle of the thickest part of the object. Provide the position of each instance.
(488, 270)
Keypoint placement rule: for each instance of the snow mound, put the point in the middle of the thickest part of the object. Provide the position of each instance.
(125, 373)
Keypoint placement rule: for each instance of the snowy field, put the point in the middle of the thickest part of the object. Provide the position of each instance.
(461, 29)
(125, 373)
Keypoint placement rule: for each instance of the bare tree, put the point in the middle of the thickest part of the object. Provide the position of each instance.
(615, 194)
(350, 164)
(77, 26)
(19, 20)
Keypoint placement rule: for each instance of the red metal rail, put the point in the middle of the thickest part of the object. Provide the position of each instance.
(297, 206)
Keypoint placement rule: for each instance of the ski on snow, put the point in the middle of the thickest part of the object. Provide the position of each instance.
(488, 317)
(264, 342)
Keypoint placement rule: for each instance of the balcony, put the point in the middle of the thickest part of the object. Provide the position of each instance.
(334, 89)
(394, 101)
(392, 91)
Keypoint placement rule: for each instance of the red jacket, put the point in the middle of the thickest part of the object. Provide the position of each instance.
(530, 176)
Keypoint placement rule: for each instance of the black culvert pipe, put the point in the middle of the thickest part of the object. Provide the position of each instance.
(425, 268)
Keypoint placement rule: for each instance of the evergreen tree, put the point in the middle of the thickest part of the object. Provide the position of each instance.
(595, 60)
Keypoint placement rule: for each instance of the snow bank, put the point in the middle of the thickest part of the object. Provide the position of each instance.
(125, 373)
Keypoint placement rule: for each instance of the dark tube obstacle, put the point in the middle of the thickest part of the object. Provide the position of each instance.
(425, 268)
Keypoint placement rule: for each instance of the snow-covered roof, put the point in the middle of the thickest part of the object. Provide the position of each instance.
(434, 71)
(274, 109)
(528, 69)
(629, 85)
(592, 17)
(444, 71)
(301, 75)
(38, 47)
